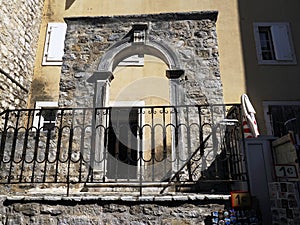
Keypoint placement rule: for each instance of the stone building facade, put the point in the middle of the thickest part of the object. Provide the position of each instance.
(19, 28)
(185, 42)
(67, 155)
(190, 43)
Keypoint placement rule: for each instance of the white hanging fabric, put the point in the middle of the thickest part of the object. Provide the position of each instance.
(250, 126)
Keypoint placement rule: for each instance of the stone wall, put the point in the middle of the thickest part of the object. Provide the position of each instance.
(19, 28)
(107, 210)
(192, 37)
(189, 37)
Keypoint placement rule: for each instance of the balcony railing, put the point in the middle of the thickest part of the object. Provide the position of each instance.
(139, 146)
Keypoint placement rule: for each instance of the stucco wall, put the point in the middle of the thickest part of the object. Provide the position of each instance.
(19, 31)
(267, 82)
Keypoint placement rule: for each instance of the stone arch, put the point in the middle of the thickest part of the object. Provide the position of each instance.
(124, 49)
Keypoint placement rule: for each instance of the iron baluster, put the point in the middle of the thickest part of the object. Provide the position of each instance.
(69, 160)
(23, 159)
(3, 136)
(13, 148)
(47, 154)
(59, 142)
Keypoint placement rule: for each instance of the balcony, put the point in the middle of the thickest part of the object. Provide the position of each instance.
(182, 148)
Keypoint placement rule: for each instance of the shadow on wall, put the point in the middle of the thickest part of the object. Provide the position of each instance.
(39, 92)
(69, 3)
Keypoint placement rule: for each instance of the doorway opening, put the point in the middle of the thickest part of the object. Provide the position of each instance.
(122, 148)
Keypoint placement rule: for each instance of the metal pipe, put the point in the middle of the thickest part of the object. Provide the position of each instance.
(14, 81)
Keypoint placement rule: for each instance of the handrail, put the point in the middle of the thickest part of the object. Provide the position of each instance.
(2, 113)
(135, 107)
(39, 147)
(201, 149)
(14, 81)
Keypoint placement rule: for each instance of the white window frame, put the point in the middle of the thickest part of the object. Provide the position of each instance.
(282, 42)
(38, 120)
(266, 105)
(54, 44)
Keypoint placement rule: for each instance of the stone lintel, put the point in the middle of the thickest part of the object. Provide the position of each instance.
(139, 26)
(109, 197)
(102, 75)
(174, 74)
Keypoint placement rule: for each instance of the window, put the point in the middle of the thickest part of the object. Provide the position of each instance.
(282, 117)
(274, 43)
(54, 44)
(45, 115)
(267, 48)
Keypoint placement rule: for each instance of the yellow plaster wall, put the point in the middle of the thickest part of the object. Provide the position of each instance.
(278, 82)
(147, 83)
(45, 85)
(230, 50)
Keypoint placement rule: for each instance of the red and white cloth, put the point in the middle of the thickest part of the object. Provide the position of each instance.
(250, 126)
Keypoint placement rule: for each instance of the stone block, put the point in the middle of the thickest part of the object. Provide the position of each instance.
(128, 198)
(14, 219)
(163, 198)
(180, 198)
(28, 209)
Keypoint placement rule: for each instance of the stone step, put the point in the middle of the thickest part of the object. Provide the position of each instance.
(149, 188)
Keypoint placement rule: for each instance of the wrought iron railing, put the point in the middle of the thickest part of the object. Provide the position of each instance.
(122, 145)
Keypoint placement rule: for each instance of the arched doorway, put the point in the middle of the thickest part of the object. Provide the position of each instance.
(139, 95)
(135, 87)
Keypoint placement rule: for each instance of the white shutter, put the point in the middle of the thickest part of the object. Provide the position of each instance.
(281, 41)
(54, 44)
